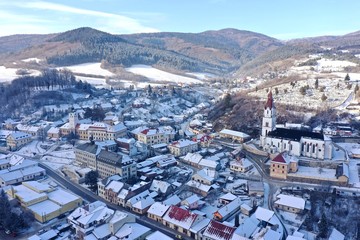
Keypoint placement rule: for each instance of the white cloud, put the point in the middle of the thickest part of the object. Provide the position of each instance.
(113, 23)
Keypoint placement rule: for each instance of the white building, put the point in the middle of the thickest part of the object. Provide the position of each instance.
(295, 142)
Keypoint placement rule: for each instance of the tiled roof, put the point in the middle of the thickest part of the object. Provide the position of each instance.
(216, 230)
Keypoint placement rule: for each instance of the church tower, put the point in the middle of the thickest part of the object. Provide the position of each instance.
(73, 120)
(269, 119)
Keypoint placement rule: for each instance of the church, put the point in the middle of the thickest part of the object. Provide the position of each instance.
(294, 142)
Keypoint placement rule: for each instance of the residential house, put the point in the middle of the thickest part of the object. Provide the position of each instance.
(157, 211)
(181, 220)
(234, 135)
(290, 203)
(182, 147)
(242, 165)
(16, 140)
(282, 164)
(218, 231)
(227, 210)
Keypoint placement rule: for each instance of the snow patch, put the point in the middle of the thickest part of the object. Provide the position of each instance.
(88, 68)
(159, 75)
(37, 60)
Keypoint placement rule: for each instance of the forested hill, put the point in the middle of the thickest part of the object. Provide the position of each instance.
(220, 51)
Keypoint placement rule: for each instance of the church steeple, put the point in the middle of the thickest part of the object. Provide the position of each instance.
(269, 119)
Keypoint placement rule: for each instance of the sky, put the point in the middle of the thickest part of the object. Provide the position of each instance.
(282, 19)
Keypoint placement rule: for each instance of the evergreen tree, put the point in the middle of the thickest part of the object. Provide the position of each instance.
(149, 90)
(323, 227)
(323, 97)
(227, 100)
(91, 179)
(356, 88)
(347, 77)
(316, 83)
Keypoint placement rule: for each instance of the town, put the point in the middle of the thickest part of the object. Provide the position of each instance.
(148, 164)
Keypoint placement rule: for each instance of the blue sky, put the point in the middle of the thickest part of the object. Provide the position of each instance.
(283, 19)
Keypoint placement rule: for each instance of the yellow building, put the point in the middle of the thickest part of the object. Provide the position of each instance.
(17, 139)
(282, 164)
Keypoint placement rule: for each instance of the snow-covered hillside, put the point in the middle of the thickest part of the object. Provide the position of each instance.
(89, 68)
(159, 75)
(9, 74)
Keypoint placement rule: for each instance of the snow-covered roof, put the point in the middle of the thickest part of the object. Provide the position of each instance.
(180, 217)
(173, 200)
(208, 163)
(246, 228)
(219, 231)
(62, 197)
(229, 197)
(26, 194)
(182, 143)
(118, 215)
(234, 133)
(102, 231)
(336, 235)
(44, 207)
(284, 158)
(19, 174)
(244, 162)
(290, 201)
(132, 231)
(53, 130)
(161, 186)
(19, 135)
(263, 214)
(157, 236)
(158, 209)
(193, 157)
(198, 185)
(230, 207)
(272, 235)
(143, 203)
(115, 186)
(37, 186)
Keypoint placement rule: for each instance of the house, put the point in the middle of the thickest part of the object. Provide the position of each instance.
(152, 136)
(192, 159)
(227, 210)
(212, 164)
(27, 170)
(246, 209)
(290, 203)
(104, 182)
(160, 187)
(227, 198)
(234, 135)
(142, 205)
(246, 229)
(192, 202)
(197, 229)
(282, 164)
(242, 165)
(218, 231)
(181, 220)
(84, 219)
(156, 211)
(111, 191)
(127, 146)
(172, 200)
(158, 236)
(205, 176)
(203, 140)
(53, 133)
(133, 231)
(199, 188)
(182, 147)
(255, 188)
(16, 140)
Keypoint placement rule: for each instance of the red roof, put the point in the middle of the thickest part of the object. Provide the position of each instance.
(279, 158)
(270, 101)
(218, 230)
(180, 214)
(145, 131)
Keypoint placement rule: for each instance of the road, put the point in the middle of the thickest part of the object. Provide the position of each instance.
(91, 197)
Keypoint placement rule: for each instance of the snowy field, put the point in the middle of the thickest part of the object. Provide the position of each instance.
(89, 68)
(37, 60)
(333, 65)
(32, 149)
(159, 75)
(92, 80)
(201, 76)
(9, 74)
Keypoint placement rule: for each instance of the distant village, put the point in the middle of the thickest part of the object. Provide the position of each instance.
(153, 167)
